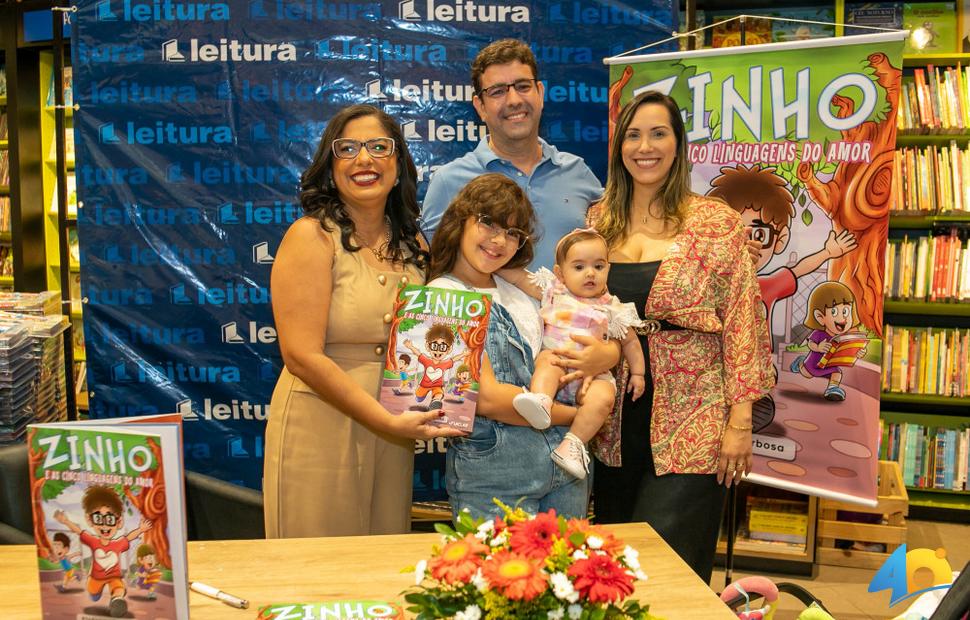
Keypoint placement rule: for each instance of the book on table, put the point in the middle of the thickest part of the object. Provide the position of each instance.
(434, 355)
(109, 517)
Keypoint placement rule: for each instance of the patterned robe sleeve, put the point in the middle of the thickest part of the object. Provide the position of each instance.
(746, 348)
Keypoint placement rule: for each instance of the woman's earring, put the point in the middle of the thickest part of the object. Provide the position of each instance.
(330, 182)
(397, 181)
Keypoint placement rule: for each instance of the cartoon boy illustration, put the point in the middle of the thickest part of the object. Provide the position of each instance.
(463, 382)
(832, 317)
(61, 552)
(439, 341)
(766, 205)
(104, 514)
(404, 369)
(148, 574)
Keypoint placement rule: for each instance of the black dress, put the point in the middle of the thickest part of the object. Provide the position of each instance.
(685, 509)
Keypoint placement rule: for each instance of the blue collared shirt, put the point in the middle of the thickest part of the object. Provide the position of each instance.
(561, 188)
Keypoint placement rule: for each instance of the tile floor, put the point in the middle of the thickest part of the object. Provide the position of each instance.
(844, 591)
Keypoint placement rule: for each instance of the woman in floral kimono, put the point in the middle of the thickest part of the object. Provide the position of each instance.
(667, 457)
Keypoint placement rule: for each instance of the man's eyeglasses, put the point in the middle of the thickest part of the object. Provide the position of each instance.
(488, 227)
(348, 148)
(499, 91)
(439, 346)
(104, 518)
(764, 234)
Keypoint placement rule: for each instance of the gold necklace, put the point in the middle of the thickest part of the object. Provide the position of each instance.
(382, 251)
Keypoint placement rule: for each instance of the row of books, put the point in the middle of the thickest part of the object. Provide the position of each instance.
(936, 101)
(930, 457)
(926, 360)
(6, 261)
(934, 24)
(4, 167)
(3, 80)
(933, 179)
(68, 88)
(4, 213)
(929, 268)
(4, 129)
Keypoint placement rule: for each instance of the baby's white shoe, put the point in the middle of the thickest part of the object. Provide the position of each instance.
(534, 408)
(571, 455)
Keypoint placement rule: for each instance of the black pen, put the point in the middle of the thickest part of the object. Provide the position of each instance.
(219, 595)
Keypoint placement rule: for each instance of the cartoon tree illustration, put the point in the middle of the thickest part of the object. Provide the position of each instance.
(859, 196)
(150, 502)
(473, 338)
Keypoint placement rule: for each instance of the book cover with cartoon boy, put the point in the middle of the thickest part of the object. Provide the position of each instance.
(434, 354)
(109, 517)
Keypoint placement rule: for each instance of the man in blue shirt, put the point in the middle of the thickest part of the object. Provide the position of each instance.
(508, 98)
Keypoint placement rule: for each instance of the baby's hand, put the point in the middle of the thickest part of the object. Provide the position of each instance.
(636, 385)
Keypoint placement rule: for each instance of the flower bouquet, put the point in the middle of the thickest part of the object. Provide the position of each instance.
(524, 566)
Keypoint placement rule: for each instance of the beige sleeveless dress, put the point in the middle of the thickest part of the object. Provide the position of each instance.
(325, 474)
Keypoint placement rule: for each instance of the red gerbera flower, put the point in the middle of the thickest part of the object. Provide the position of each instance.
(515, 576)
(600, 579)
(459, 560)
(534, 537)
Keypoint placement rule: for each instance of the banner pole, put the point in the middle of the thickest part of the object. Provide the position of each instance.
(732, 531)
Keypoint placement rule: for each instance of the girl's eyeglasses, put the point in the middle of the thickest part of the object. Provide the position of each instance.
(487, 226)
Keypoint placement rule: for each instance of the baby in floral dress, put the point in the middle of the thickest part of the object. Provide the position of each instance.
(575, 301)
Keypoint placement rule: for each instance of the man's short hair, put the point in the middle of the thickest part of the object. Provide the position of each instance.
(502, 52)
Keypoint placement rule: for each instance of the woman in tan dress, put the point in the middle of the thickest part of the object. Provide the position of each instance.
(338, 463)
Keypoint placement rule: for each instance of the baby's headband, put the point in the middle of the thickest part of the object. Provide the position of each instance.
(578, 231)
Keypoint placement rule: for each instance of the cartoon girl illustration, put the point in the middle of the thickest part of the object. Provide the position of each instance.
(834, 343)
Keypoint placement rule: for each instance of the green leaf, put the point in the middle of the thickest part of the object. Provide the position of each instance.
(444, 529)
(807, 217)
(801, 199)
(577, 539)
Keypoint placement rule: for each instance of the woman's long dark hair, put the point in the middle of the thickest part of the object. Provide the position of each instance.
(319, 197)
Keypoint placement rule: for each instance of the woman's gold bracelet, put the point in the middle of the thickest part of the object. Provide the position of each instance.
(735, 427)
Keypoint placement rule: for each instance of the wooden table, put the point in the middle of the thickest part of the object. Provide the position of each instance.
(369, 567)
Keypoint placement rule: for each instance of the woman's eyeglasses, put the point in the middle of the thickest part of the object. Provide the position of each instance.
(488, 227)
(499, 91)
(348, 148)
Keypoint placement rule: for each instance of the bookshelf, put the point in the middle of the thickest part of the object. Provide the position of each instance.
(54, 227)
(6, 245)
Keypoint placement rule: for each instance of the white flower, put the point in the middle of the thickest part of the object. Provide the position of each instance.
(479, 581)
(563, 588)
(631, 557)
(419, 571)
(485, 530)
(556, 614)
(472, 612)
(594, 542)
(578, 554)
(575, 611)
(501, 539)
(640, 575)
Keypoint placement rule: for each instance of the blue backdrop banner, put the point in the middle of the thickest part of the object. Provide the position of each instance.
(195, 122)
